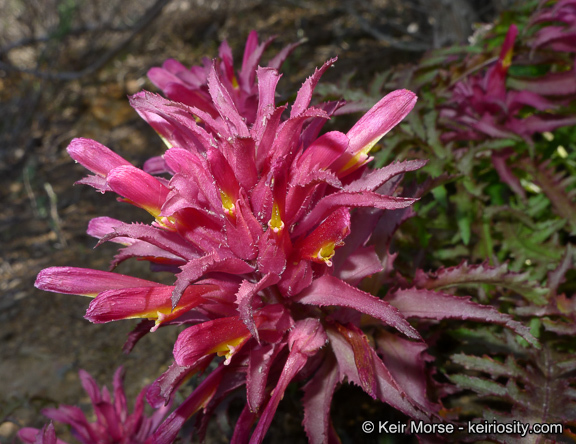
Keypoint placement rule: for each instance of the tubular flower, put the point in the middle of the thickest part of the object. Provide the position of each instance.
(114, 424)
(257, 223)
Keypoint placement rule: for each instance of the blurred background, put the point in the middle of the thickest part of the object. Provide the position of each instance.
(66, 67)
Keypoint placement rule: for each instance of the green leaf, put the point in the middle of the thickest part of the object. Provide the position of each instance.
(464, 216)
(441, 195)
(479, 385)
(432, 137)
(497, 191)
(416, 125)
(483, 364)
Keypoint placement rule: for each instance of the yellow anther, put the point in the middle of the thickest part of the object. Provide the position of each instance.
(227, 204)
(276, 223)
(326, 253)
(227, 349)
(360, 158)
(507, 61)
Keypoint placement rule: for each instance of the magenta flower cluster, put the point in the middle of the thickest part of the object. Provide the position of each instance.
(490, 104)
(113, 424)
(257, 223)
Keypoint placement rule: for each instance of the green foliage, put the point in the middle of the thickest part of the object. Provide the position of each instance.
(506, 201)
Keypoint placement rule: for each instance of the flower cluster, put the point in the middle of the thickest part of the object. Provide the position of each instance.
(489, 108)
(114, 423)
(559, 30)
(258, 223)
(494, 105)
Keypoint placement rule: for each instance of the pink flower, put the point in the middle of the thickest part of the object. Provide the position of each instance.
(257, 223)
(482, 106)
(114, 424)
(559, 34)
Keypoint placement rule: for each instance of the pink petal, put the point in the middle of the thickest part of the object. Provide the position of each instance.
(319, 246)
(94, 156)
(119, 395)
(241, 155)
(496, 76)
(85, 281)
(161, 77)
(551, 84)
(195, 98)
(149, 303)
(193, 168)
(140, 188)
(281, 57)
(287, 139)
(267, 80)
(363, 356)
(243, 426)
(223, 336)
(252, 55)
(74, 416)
(296, 277)
(243, 235)
(174, 121)
(322, 152)
(156, 165)
(272, 252)
(168, 241)
(380, 119)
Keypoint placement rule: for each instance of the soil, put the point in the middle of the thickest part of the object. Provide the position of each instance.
(44, 338)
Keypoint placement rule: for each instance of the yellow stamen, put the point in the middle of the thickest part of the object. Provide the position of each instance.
(227, 349)
(326, 253)
(227, 204)
(168, 144)
(167, 222)
(360, 158)
(276, 223)
(507, 60)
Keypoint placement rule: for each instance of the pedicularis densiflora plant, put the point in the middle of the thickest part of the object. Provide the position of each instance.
(274, 234)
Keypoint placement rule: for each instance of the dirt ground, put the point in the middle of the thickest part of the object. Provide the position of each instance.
(44, 338)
